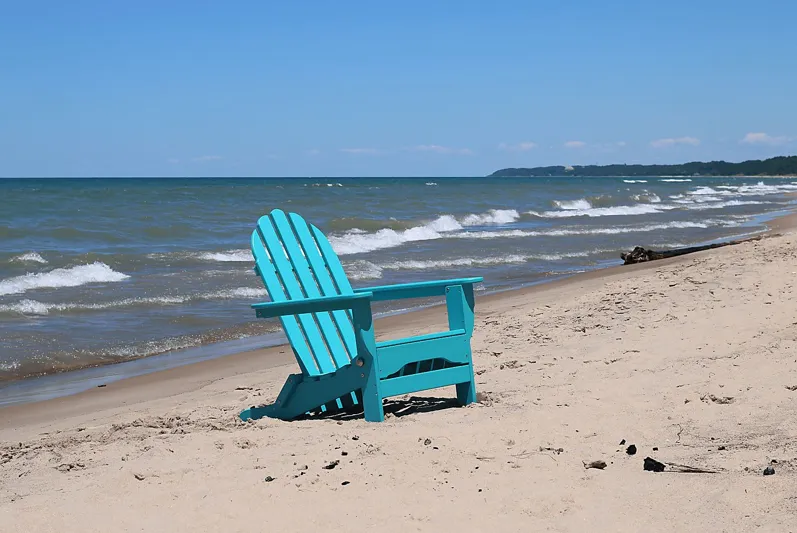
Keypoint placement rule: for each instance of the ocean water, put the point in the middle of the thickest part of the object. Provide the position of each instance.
(96, 271)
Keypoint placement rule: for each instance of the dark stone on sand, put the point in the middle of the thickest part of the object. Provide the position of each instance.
(345, 483)
(427, 442)
(600, 465)
(622, 442)
(344, 454)
(356, 437)
(269, 479)
(100, 386)
(631, 450)
(721, 448)
(652, 465)
(138, 477)
(331, 465)
(655, 448)
(768, 471)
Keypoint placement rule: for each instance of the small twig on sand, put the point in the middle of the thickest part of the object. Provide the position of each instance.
(685, 469)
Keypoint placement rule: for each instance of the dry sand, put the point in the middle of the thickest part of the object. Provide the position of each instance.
(695, 356)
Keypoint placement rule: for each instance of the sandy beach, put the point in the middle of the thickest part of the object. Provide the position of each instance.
(692, 360)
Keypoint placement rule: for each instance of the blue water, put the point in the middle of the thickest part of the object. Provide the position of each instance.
(98, 271)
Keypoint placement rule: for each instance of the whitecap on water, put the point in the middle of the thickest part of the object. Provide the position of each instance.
(96, 272)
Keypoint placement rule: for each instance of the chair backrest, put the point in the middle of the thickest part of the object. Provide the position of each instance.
(296, 261)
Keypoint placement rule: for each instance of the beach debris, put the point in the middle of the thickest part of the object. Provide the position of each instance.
(631, 450)
(557, 451)
(792, 387)
(66, 467)
(720, 448)
(622, 442)
(599, 464)
(427, 442)
(269, 479)
(484, 398)
(355, 437)
(101, 386)
(652, 465)
(139, 477)
(655, 448)
(685, 469)
(722, 400)
(344, 453)
(331, 465)
(642, 255)
(768, 471)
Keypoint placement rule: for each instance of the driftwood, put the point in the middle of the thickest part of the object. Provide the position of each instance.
(642, 255)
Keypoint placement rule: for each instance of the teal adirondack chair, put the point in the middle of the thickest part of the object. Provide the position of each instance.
(330, 328)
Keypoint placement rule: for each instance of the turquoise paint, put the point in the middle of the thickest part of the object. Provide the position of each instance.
(330, 328)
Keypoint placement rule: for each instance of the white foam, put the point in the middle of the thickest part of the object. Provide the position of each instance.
(30, 257)
(635, 181)
(646, 196)
(619, 210)
(362, 270)
(33, 307)
(431, 183)
(675, 180)
(62, 277)
(720, 205)
(481, 261)
(493, 216)
(569, 205)
(230, 256)
(591, 231)
(240, 292)
(357, 241)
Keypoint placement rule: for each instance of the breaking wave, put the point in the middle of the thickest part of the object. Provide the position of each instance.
(30, 257)
(62, 277)
(34, 307)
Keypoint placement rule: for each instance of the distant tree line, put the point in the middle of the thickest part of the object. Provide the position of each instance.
(776, 166)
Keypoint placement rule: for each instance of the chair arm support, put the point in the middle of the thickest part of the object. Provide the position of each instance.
(422, 289)
(310, 305)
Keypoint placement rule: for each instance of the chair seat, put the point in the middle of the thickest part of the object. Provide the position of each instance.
(421, 338)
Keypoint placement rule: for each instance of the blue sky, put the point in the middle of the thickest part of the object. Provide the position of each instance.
(411, 88)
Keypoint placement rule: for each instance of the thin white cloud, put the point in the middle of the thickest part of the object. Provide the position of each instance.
(670, 141)
(575, 144)
(524, 146)
(437, 149)
(313, 152)
(206, 158)
(763, 138)
(361, 151)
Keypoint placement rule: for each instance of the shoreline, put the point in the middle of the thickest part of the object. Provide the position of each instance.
(161, 384)
(83, 381)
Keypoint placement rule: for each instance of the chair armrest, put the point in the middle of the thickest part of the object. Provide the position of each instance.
(422, 289)
(309, 305)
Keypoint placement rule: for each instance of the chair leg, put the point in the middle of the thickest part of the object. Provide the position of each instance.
(372, 398)
(466, 392)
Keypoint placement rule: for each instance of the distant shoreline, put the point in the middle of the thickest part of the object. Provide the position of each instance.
(775, 167)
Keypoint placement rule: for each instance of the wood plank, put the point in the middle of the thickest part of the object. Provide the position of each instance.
(454, 349)
(424, 381)
(421, 289)
(318, 349)
(307, 281)
(327, 287)
(274, 287)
